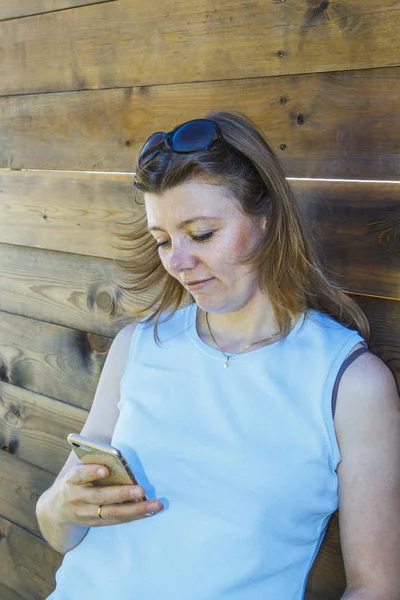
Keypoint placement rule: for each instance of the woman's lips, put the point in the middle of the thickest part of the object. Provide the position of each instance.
(197, 285)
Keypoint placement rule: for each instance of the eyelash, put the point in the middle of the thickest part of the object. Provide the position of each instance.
(197, 238)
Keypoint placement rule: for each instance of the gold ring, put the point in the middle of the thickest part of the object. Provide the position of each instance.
(99, 512)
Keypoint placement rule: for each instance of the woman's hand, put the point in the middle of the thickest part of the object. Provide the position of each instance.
(80, 499)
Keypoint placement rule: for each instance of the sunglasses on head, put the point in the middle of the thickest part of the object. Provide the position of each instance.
(197, 134)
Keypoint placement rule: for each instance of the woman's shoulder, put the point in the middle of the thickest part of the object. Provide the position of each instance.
(368, 378)
(321, 318)
(367, 392)
(331, 326)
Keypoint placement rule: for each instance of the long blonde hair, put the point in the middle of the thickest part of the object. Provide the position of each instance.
(286, 259)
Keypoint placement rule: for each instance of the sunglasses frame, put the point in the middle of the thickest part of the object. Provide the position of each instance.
(167, 142)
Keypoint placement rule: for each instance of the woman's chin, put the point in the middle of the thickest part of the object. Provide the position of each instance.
(209, 304)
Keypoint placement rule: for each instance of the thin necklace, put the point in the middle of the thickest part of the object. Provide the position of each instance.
(227, 357)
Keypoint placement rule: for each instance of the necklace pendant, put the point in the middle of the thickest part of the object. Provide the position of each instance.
(226, 362)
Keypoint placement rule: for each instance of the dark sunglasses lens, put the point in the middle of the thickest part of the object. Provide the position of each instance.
(196, 135)
(153, 141)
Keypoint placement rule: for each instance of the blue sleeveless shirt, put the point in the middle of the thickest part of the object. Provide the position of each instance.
(243, 459)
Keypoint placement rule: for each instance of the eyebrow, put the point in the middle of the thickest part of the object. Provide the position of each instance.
(184, 224)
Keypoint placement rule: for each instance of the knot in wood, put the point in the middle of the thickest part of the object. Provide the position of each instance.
(15, 410)
(104, 297)
(13, 416)
(301, 120)
(104, 300)
(98, 343)
(4, 376)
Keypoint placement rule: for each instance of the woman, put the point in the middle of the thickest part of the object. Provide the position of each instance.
(224, 406)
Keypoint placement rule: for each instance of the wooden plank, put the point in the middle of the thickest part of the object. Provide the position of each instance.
(357, 227)
(34, 427)
(24, 8)
(116, 44)
(74, 290)
(316, 123)
(71, 212)
(27, 563)
(21, 484)
(55, 361)
(8, 594)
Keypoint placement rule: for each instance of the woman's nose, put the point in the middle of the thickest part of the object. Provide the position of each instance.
(181, 258)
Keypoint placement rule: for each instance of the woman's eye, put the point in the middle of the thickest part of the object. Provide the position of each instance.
(203, 237)
(197, 238)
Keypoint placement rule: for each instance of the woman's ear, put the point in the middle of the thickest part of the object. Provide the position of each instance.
(263, 224)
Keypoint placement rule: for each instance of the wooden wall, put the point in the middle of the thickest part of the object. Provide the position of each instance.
(82, 85)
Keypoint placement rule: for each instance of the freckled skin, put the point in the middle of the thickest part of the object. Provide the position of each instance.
(241, 309)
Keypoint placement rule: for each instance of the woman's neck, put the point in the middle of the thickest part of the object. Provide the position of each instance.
(234, 330)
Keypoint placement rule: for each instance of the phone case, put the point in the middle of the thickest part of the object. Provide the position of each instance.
(92, 452)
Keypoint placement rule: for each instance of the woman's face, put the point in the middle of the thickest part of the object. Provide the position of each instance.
(201, 236)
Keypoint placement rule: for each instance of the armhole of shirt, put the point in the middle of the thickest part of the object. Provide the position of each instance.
(342, 369)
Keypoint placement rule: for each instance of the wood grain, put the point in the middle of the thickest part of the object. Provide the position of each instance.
(68, 212)
(27, 563)
(8, 594)
(34, 428)
(75, 290)
(24, 8)
(115, 44)
(357, 229)
(52, 360)
(324, 125)
(21, 484)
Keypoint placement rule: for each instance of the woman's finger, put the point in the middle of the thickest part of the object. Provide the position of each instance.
(111, 494)
(123, 513)
(83, 474)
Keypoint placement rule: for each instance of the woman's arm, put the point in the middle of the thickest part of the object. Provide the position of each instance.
(367, 422)
(54, 520)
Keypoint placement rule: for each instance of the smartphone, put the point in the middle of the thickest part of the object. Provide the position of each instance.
(92, 452)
